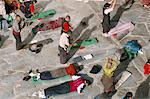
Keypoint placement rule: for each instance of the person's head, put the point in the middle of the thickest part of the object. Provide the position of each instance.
(67, 18)
(106, 5)
(128, 95)
(148, 61)
(88, 82)
(18, 18)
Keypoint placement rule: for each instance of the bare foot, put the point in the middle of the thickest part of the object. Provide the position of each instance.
(146, 6)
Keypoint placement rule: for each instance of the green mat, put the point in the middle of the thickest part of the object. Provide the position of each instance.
(43, 14)
(35, 81)
(86, 42)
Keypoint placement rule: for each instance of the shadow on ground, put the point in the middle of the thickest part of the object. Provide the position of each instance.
(3, 39)
(114, 21)
(78, 30)
(143, 91)
(84, 36)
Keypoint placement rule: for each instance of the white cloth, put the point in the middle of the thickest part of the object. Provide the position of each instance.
(2, 8)
(80, 86)
(64, 41)
(108, 10)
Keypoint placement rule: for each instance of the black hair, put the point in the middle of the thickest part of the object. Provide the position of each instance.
(128, 95)
(148, 61)
(68, 17)
(88, 82)
(106, 5)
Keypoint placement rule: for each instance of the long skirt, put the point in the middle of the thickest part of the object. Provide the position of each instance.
(63, 55)
(107, 83)
(145, 2)
(63, 88)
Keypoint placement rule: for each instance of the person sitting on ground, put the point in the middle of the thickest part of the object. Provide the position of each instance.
(53, 74)
(128, 95)
(76, 84)
(108, 7)
(107, 78)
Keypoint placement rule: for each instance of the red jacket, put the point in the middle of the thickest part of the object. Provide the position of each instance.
(147, 68)
(66, 26)
(74, 84)
(70, 70)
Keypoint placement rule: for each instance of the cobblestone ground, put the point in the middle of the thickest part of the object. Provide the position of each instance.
(14, 64)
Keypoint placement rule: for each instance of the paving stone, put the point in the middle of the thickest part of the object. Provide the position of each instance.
(141, 30)
(139, 63)
(6, 92)
(13, 64)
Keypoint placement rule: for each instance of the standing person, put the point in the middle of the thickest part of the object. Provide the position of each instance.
(16, 32)
(146, 3)
(108, 7)
(66, 27)
(107, 78)
(63, 45)
(76, 84)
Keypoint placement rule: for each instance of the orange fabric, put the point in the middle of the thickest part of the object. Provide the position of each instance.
(71, 70)
(32, 8)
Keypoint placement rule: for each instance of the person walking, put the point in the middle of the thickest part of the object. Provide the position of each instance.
(16, 32)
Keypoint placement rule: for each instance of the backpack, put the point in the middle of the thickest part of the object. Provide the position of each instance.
(132, 46)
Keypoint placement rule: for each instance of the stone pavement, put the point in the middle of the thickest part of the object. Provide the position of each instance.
(14, 64)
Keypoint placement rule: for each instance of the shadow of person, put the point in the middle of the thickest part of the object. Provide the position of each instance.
(84, 36)
(3, 39)
(143, 90)
(83, 25)
(124, 62)
(30, 36)
(115, 19)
